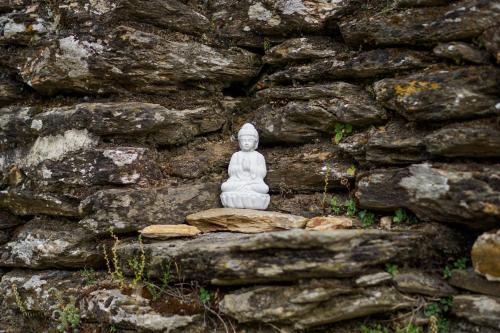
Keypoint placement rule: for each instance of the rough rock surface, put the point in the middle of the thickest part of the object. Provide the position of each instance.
(455, 194)
(420, 283)
(481, 310)
(469, 280)
(311, 304)
(485, 254)
(233, 259)
(244, 220)
(162, 231)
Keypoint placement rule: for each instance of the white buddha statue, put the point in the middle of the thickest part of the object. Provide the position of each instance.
(245, 187)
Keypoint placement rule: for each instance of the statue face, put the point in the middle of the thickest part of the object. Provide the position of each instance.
(247, 142)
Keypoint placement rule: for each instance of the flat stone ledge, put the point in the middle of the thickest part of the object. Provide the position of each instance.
(244, 220)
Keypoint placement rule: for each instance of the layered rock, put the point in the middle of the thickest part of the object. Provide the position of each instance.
(310, 304)
(244, 220)
(234, 259)
(469, 280)
(455, 193)
(438, 94)
(422, 26)
(478, 309)
(421, 283)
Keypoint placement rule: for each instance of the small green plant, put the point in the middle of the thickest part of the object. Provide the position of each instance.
(351, 171)
(137, 264)
(391, 269)
(367, 218)
(21, 306)
(266, 44)
(438, 308)
(112, 328)
(376, 329)
(116, 273)
(443, 326)
(410, 328)
(334, 206)
(205, 296)
(341, 131)
(88, 276)
(400, 216)
(155, 290)
(460, 263)
(350, 205)
(69, 317)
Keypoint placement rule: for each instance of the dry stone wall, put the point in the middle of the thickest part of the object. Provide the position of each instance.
(121, 114)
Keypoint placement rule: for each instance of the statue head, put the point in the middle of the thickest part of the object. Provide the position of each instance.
(248, 137)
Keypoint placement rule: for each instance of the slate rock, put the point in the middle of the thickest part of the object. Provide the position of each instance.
(459, 52)
(130, 60)
(311, 304)
(469, 280)
(9, 220)
(491, 40)
(305, 48)
(235, 259)
(422, 26)
(422, 283)
(44, 242)
(320, 223)
(352, 65)
(485, 252)
(439, 94)
(478, 309)
(127, 210)
(373, 279)
(244, 220)
(460, 194)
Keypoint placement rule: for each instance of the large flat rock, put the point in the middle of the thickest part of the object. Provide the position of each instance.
(452, 193)
(166, 231)
(442, 93)
(478, 309)
(128, 210)
(235, 259)
(44, 242)
(485, 254)
(422, 26)
(350, 65)
(311, 304)
(469, 280)
(244, 220)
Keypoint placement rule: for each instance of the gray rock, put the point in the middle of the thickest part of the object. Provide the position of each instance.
(10, 91)
(469, 280)
(439, 94)
(311, 304)
(420, 3)
(302, 114)
(80, 173)
(479, 138)
(459, 52)
(422, 283)
(480, 310)
(131, 60)
(4, 236)
(43, 243)
(416, 26)
(9, 5)
(235, 259)
(305, 48)
(127, 210)
(463, 194)
(150, 122)
(304, 169)
(352, 65)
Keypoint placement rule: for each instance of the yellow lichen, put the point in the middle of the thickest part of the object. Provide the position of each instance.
(414, 87)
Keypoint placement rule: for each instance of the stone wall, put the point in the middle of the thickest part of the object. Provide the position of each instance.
(122, 114)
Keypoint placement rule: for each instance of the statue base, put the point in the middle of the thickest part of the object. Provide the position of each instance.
(250, 200)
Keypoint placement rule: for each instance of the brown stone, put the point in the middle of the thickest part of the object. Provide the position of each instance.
(459, 52)
(331, 223)
(469, 280)
(162, 231)
(485, 255)
(478, 309)
(422, 283)
(244, 220)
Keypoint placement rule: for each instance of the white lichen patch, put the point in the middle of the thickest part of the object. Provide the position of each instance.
(34, 283)
(290, 7)
(37, 124)
(100, 7)
(425, 182)
(29, 249)
(259, 12)
(54, 147)
(46, 173)
(121, 157)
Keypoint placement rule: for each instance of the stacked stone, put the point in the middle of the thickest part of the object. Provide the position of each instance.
(120, 113)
